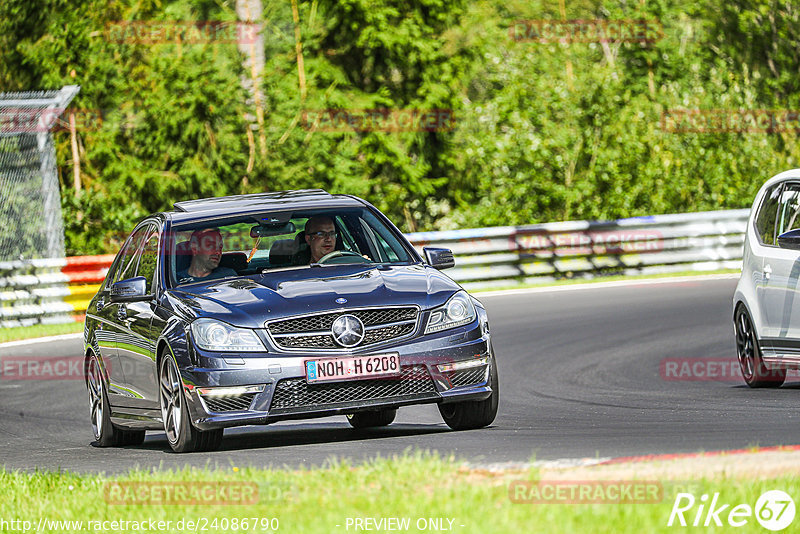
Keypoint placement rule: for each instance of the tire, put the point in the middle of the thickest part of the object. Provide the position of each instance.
(105, 433)
(756, 374)
(469, 415)
(372, 419)
(181, 433)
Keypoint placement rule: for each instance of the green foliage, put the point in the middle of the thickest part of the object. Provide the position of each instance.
(542, 131)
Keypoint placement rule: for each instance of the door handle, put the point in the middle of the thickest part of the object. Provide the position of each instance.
(122, 312)
(767, 271)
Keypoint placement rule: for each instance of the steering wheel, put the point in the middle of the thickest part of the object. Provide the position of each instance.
(339, 254)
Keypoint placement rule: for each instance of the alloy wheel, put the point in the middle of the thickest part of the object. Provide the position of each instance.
(171, 398)
(745, 347)
(95, 386)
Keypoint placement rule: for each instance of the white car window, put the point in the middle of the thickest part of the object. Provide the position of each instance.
(789, 212)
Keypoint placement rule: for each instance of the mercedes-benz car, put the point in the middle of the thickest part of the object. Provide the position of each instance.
(251, 309)
(766, 304)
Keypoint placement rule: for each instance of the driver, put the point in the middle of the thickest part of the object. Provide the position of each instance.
(206, 247)
(320, 236)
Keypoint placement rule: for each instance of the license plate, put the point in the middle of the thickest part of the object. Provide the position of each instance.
(332, 369)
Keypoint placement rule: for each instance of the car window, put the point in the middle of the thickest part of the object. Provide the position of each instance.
(126, 266)
(384, 242)
(255, 243)
(767, 213)
(148, 260)
(789, 211)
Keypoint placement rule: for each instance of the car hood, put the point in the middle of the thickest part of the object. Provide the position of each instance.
(251, 300)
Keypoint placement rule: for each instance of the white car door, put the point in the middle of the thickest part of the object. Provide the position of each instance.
(781, 271)
(758, 251)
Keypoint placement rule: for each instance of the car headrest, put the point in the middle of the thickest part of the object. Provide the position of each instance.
(183, 256)
(303, 254)
(282, 252)
(234, 260)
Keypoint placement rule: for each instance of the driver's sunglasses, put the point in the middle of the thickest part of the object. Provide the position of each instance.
(323, 235)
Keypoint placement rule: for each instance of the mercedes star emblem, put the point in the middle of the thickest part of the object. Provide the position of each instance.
(348, 330)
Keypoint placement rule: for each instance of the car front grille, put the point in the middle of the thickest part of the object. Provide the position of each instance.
(229, 404)
(307, 342)
(294, 393)
(314, 332)
(468, 377)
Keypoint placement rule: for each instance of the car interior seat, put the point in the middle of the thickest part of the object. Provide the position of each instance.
(183, 256)
(282, 251)
(302, 256)
(234, 260)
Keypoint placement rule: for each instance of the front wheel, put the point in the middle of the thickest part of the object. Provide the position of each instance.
(755, 373)
(181, 433)
(473, 414)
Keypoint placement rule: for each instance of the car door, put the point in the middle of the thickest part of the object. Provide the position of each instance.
(104, 334)
(755, 253)
(136, 343)
(109, 328)
(781, 271)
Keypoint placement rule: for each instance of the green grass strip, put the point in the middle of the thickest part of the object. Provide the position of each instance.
(422, 488)
(39, 330)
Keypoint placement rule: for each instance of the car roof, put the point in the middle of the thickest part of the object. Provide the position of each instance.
(791, 174)
(208, 208)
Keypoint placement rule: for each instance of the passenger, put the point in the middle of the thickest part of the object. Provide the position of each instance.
(206, 247)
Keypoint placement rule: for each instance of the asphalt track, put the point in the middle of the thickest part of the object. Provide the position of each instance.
(580, 377)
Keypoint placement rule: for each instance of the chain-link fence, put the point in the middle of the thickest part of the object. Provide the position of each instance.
(30, 203)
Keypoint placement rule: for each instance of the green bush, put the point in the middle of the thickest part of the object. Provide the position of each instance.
(542, 131)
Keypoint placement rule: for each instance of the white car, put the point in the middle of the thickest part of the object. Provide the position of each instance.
(766, 305)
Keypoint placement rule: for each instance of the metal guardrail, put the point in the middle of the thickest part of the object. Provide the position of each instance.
(539, 253)
(33, 292)
(49, 291)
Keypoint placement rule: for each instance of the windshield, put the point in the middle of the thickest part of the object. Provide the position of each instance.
(254, 244)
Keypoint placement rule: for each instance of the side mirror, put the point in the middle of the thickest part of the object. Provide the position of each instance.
(129, 290)
(439, 258)
(790, 240)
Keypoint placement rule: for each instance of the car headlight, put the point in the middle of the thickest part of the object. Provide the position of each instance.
(458, 311)
(214, 335)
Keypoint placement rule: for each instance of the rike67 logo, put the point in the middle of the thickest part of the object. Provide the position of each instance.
(774, 510)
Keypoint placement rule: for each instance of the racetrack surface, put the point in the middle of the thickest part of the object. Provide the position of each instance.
(579, 377)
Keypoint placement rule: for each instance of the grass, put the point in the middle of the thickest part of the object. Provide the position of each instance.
(417, 486)
(39, 330)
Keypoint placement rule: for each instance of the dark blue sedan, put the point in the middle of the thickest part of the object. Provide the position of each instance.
(251, 309)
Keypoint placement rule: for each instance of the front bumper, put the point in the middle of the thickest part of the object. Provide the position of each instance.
(287, 395)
